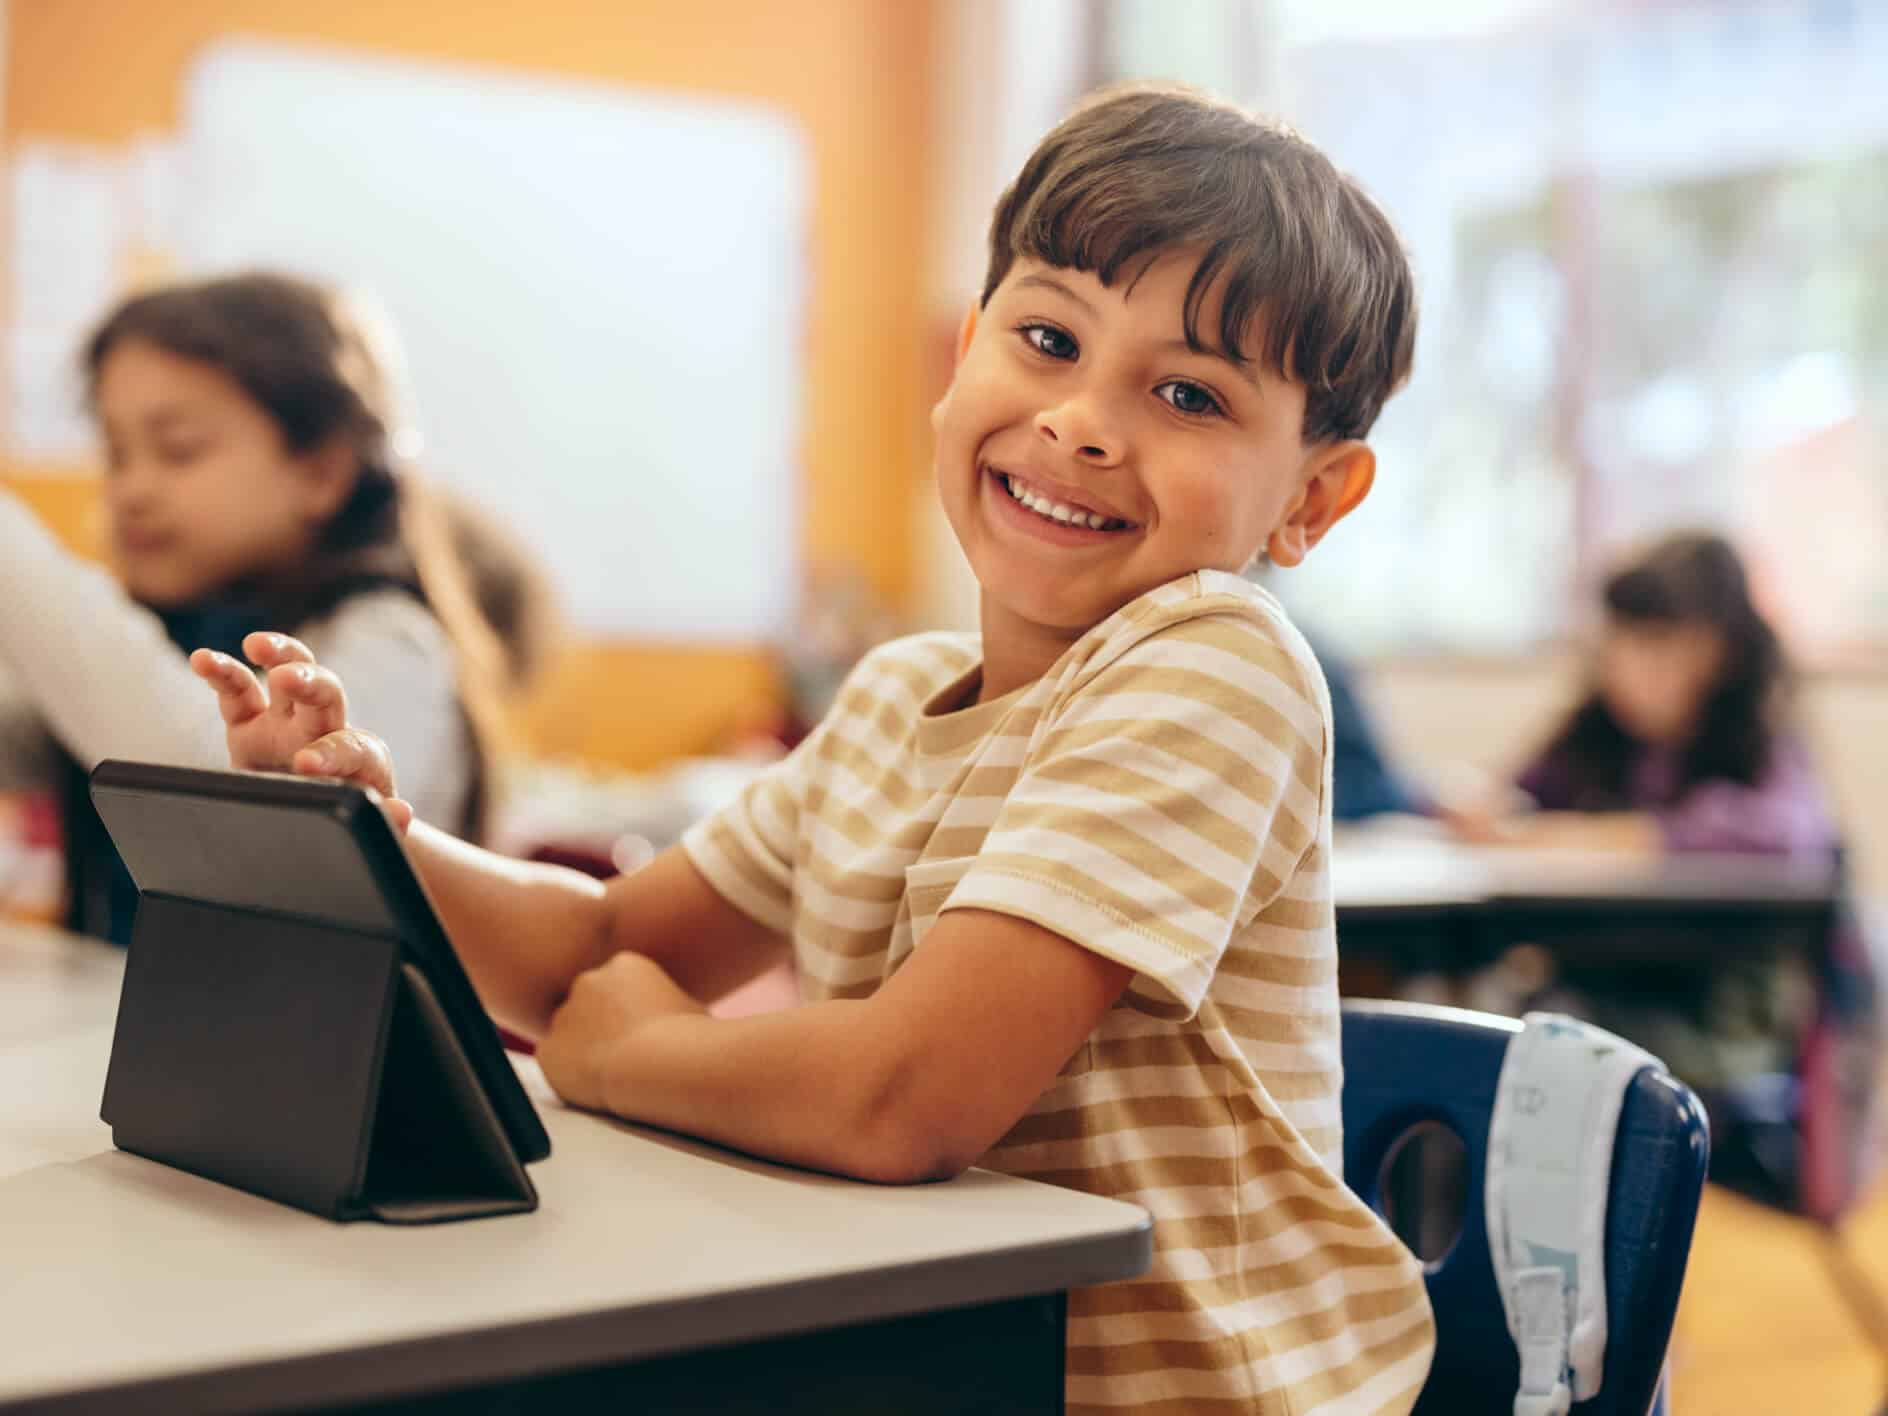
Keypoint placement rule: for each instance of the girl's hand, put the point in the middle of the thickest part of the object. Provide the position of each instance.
(1478, 825)
(604, 1007)
(298, 721)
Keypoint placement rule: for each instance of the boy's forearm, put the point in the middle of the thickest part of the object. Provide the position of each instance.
(524, 931)
(812, 1086)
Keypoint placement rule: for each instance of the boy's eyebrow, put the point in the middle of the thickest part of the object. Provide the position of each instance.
(1049, 282)
(1245, 368)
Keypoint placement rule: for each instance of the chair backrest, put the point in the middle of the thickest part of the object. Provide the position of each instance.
(1405, 1064)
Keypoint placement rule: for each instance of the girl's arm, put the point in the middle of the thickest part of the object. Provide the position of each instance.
(103, 678)
(1782, 813)
(1633, 832)
(96, 667)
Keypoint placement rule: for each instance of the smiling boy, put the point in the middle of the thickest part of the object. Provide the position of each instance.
(1058, 893)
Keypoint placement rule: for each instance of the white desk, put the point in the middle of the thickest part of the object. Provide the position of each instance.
(1411, 866)
(1405, 890)
(128, 1286)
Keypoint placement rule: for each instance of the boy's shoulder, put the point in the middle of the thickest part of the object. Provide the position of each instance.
(1206, 622)
(1208, 619)
(911, 668)
(937, 650)
(931, 653)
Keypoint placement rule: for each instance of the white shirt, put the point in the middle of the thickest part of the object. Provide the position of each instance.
(84, 664)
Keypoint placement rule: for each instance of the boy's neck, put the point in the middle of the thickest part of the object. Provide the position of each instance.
(1015, 651)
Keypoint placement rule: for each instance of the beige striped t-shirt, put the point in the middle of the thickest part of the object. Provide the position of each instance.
(1161, 796)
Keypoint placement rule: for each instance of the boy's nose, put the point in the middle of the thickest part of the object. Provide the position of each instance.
(1075, 429)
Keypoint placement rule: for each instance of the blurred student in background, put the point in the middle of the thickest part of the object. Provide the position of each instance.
(251, 480)
(1683, 742)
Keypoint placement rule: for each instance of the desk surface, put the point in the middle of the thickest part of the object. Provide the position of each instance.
(1414, 870)
(126, 1285)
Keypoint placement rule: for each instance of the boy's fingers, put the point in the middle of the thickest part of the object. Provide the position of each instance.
(350, 755)
(313, 690)
(267, 649)
(238, 695)
(399, 812)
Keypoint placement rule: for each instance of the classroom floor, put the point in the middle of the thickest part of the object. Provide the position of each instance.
(1761, 1328)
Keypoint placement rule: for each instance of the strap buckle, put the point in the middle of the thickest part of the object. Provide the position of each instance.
(1541, 1302)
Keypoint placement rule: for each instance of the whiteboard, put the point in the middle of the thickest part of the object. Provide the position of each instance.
(599, 291)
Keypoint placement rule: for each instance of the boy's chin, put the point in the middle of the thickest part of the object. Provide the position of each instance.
(1059, 614)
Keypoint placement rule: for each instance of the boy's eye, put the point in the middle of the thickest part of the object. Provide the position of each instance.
(1188, 397)
(1047, 339)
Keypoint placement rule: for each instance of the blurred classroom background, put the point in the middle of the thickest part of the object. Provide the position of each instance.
(676, 285)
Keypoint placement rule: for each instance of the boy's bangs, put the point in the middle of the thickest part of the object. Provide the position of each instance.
(1116, 236)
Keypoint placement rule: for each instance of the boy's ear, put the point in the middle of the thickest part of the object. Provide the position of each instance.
(967, 331)
(1341, 477)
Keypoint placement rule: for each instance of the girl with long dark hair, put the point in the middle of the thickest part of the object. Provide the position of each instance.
(1682, 742)
(251, 480)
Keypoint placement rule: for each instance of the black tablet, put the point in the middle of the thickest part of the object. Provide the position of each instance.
(305, 850)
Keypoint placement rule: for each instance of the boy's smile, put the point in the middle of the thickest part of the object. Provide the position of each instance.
(1062, 515)
(1086, 454)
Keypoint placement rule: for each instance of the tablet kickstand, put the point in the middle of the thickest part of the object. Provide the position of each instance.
(438, 1149)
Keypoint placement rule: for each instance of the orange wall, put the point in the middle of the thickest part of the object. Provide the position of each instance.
(852, 72)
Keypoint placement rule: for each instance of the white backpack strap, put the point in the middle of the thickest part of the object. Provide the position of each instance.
(1550, 1159)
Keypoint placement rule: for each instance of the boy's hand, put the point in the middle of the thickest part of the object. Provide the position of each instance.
(298, 723)
(604, 1006)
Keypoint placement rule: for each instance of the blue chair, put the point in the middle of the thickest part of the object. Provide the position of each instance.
(1405, 1064)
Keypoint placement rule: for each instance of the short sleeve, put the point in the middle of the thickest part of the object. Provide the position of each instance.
(748, 848)
(1169, 800)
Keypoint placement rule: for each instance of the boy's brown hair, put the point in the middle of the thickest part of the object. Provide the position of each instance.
(1141, 170)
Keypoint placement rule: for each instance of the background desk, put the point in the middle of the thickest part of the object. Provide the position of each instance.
(1414, 904)
(126, 1286)
(1642, 945)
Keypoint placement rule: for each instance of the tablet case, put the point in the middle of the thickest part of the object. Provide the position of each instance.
(304, 1060)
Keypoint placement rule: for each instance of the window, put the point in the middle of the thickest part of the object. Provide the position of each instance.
(1648, 247)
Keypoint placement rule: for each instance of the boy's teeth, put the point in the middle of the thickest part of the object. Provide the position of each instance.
(1056, 511)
